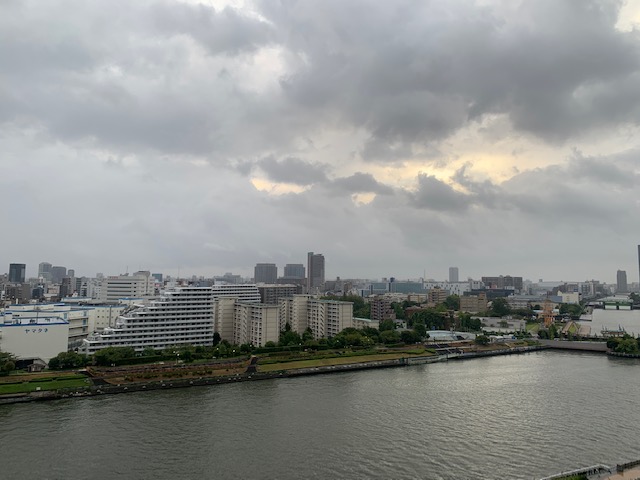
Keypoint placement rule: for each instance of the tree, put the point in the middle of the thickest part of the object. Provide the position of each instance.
(216, 338)
(500, 307)
(7, 363)
(628, 344)
(409, 336)
(452, 302)
(387, 325)
(113, 355)
(482, 340)
(420, 329)
(389, 337)
(66, 360)
(270, 344)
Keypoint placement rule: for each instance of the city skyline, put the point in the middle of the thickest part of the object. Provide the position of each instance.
(496, 136)
(279, 271)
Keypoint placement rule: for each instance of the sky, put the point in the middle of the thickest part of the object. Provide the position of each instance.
(396, 138)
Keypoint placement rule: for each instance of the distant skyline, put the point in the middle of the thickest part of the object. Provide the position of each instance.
(250, 272)
(394, 137)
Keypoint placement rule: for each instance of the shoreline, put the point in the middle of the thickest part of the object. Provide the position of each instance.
(109, 389)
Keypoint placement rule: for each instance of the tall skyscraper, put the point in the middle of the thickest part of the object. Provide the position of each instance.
(58, 273)
(453, 274)
(17, 272)
(621, 278)
(44, 270)
(265, 273)
(294, 270)
(315, 270)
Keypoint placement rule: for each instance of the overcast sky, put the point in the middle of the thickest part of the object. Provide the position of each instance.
(395, 137)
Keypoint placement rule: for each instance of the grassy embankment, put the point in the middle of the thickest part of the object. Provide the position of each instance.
(25, 383)
(333, 358)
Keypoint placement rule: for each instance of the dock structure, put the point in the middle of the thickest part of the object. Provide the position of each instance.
(598, 469)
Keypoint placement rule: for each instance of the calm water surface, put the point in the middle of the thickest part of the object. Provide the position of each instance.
(520, 416)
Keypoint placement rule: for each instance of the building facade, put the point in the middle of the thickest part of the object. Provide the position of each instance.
(265, 273)
(453, 274)
(271, 294)
(473, 303)
(315, 271)
(255, 324)
(17, 272)
(621, 277)
(294, 270)
(138, 285)
(181, 316)
(33, 337)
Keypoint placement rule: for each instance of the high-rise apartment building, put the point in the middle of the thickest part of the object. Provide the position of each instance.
(17, 272)
(453, 274)
(294, 270)
(315, 271)
(621, 277)
(265, 273)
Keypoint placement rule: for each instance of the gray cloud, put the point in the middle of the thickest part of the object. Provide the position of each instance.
(433, 194)
(359, 183)
(147, 119)
(293, 170)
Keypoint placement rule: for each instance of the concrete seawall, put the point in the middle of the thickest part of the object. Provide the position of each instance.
(572, 345)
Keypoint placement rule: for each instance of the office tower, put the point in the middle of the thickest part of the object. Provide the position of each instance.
(621, 277)
(265, 273)
(58, 273)
(44, 270)
(71, 273)
(453, 274)
(294, 270)
(17, 272)
(315, 270)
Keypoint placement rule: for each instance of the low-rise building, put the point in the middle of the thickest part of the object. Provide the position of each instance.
(34, 337)
(473, 303)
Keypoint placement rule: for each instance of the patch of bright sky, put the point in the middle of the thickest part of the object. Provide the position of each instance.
(629, 17)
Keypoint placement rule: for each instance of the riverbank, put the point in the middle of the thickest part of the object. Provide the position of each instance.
(280, 370)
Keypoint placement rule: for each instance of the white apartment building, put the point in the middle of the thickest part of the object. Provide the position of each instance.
(138, 285)
(255, 323)
(243, 292)
(293, 310)
(327, 318)
(184, 315)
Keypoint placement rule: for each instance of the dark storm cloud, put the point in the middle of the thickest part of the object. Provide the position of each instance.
(293, 170)
(418, 71)
(410, 73)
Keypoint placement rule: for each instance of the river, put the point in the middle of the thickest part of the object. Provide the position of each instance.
(508, 417)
